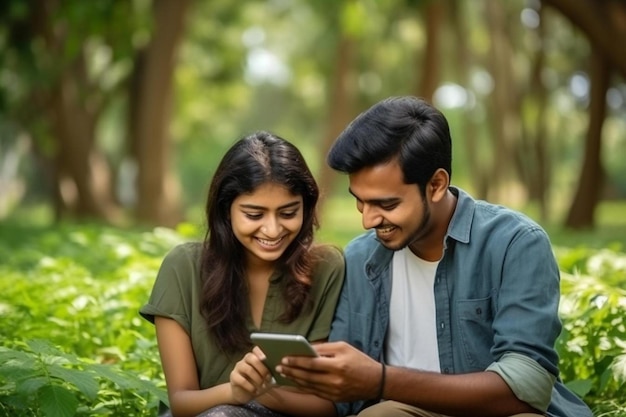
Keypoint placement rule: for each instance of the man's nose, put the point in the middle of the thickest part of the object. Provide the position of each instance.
(370, 216)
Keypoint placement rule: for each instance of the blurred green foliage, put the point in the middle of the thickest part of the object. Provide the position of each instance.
(592, 345)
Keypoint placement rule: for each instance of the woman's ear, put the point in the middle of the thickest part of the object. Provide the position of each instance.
(438, 185)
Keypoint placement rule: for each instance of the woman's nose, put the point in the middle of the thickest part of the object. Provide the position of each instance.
(271, 228)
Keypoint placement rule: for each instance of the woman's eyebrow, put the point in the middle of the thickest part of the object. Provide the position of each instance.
(255, 207)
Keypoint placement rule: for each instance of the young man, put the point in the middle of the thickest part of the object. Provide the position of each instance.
(450, 305)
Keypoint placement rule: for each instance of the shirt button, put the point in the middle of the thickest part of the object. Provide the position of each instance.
(479, 311)
(376, 343)
(446, 371)
(442, 325)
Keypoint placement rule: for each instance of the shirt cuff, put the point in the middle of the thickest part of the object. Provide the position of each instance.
(528, 380)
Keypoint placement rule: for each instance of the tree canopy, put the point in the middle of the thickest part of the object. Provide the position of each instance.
(121, 110)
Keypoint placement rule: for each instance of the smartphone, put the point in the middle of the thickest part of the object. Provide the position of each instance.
(276, 346)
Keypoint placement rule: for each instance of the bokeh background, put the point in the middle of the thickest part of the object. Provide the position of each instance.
(120, 110)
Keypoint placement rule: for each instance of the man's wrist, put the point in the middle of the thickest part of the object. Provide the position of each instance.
(381, 386)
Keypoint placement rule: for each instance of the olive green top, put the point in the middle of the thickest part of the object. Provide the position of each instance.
(176, 295)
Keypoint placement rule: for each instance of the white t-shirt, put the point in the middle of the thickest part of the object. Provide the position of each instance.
(411, 340)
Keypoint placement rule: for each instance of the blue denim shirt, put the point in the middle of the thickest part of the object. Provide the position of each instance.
(496, 294)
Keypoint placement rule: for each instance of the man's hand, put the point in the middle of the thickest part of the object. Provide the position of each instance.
(250, 377)
(341, 373)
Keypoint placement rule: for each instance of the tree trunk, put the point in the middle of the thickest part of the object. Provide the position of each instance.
(470, 137)
(504, 117)
(340, 112)
(430, 59)
(158, 191)
(581, 212)
(534, 152)
(82, 174)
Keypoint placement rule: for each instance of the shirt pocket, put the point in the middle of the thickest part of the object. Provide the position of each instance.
(475, 318)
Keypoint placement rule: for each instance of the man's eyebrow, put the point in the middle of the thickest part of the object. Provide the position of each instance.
(285, 206)
(378, 201)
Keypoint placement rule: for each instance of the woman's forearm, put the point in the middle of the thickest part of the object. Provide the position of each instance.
(297, 404)
(189, 403)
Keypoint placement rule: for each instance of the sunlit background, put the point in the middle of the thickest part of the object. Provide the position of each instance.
(120, 110)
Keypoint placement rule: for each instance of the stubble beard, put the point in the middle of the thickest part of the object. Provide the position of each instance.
(422, 230)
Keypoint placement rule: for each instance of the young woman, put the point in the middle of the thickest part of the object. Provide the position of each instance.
(257, 270)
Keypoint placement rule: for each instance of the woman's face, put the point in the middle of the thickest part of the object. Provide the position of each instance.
(266, 221)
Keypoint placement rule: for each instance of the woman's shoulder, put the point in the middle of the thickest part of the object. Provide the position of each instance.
(328, 261)
(327, 253)
(186, 252)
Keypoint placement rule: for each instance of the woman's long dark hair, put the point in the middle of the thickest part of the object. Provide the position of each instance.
(252, 161)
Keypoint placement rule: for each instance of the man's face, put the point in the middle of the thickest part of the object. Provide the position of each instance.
(394, 209)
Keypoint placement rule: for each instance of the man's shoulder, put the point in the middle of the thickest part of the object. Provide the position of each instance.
(363, 242)
(483, 220)
(504, 216)
(480, 212)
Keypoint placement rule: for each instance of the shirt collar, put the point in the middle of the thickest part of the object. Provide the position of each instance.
(461, 222)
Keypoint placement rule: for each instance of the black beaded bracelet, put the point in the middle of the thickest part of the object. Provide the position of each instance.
(381, 388)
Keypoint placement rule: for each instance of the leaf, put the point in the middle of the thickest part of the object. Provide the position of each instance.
(121, 379)
(50, 353)
(128, 380)
(57, 401)
(16, 357)
(28, 386)
(580, 387)
(13, 373)
(84, 380)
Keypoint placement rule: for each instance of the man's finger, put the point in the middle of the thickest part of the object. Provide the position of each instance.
(329, 349)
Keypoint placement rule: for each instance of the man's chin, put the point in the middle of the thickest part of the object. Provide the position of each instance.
(393, 245)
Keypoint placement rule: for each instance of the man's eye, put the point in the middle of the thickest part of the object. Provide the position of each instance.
(389, 207)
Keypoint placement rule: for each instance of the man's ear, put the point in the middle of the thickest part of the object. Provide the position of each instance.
(438, 185)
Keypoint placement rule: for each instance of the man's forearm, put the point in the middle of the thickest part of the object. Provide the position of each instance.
(481, 393)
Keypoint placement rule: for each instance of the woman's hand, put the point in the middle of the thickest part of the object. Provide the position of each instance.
(250, 377)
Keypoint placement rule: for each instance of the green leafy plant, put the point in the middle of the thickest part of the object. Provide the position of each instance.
(73, 343)
(38, 378)
(592, 345)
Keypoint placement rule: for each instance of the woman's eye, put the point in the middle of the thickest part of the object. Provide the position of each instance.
(254, 216)
(289, 214)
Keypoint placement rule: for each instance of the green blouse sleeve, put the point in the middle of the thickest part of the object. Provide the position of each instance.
(171, 295)
(328, 280)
